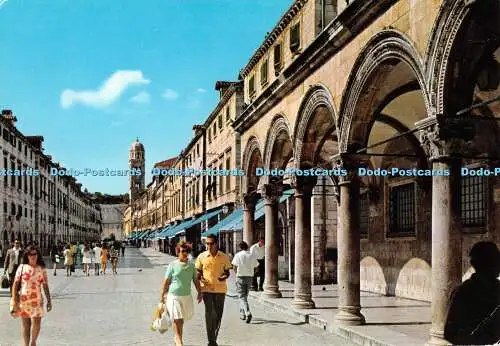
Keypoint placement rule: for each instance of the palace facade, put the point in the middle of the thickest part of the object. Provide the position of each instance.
(351, 84)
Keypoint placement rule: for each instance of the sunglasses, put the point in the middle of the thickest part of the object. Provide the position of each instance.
(184, 250)
(211, 243)
(32, 254)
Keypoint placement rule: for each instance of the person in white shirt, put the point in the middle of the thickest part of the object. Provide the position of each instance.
(244, 264)
(258, 251)
(97, 258)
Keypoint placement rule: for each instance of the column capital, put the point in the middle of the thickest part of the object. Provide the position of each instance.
(272, 192)
(350, 163)
(250, 199)
(444, 138)
(303, 185)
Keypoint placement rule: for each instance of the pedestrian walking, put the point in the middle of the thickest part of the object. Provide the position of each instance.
(54, 258)
(258, 251)
(474, 312)
(177, 285)
(30, 277)
(115, 252)
(244, 264)
(97, 258)
(86, 259)
(104, 258)
(123, 248)
(13, 258)
(68, 260)
(213, 270)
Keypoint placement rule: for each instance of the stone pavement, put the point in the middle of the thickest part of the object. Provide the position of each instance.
(390, 320)
(117, 310)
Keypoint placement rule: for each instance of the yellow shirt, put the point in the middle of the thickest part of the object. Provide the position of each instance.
(213, 267)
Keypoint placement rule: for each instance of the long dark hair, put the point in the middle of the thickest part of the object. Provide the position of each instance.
(39, 258)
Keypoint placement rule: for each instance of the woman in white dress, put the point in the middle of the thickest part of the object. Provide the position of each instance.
(87, 259)
(177, 285)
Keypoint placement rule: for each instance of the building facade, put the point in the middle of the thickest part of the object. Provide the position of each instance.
(350, 87)
(39, 205)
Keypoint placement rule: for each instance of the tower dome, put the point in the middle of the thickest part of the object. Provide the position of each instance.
(137, 145)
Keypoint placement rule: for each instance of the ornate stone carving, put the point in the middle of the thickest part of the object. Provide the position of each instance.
(272, 192)
(349, 164)
(303, 185)
(250, 199)
(435, 142)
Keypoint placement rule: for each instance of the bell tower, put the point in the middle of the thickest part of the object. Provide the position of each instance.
(137, 160)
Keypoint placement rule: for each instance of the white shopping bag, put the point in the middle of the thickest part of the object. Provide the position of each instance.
(162, 321)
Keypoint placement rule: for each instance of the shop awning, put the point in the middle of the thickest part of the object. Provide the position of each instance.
(237, 225)
(234, 216)
(160, 235)
(188, 223)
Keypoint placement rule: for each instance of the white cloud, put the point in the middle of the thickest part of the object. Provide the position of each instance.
(170, 94)
(107, 94)
(2, 2)
(201, 90)
(142, 97)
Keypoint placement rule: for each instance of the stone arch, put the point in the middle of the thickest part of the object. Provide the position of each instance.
(451, 16)
(372, 276)
(317, 97)
(278, 149)
(384, 51)
(252, 158)
(414, 280)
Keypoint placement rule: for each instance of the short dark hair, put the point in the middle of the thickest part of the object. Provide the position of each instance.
(39, 258)
(212, 236)
(243, 246)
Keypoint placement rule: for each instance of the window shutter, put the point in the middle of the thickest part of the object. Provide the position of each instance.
(295, 38)
(277, 57)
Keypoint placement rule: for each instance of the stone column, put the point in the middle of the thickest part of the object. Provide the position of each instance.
(302, 287)
(271, 194)
(348, 244)
(249, 199)
(446, 224)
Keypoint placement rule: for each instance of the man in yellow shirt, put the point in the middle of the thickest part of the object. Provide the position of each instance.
(213, 269)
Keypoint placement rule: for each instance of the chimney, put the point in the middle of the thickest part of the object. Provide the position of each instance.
(222, 86)
(35, 141)
(9, 117)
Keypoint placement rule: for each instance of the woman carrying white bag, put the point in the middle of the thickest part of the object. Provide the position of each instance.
(177, 285)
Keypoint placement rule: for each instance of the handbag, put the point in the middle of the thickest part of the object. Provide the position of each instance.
(13, 306)
(5, 281)
(162, 320)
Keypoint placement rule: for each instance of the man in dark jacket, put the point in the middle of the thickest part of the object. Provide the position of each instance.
(474, 313)
(13, 259)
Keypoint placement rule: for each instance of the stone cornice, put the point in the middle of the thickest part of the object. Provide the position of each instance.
(273, 35)
(223, 101)
(347, 25)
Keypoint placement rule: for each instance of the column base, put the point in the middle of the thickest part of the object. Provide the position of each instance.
(437, 339)
(350, 316)
(272, 292)
(300, 303)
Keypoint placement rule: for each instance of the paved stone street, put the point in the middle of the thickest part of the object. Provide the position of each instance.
(117, 310)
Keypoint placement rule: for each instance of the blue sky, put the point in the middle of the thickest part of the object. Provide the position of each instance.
(92, 75)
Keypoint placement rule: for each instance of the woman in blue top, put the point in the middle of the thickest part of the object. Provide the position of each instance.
(177, 285)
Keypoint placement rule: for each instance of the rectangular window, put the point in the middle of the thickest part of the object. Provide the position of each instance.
(263, 72)
(219, 120)
(19, 210)
(209, 135)
(209, 186)
(228, 115)
(295, 38)
(220, 181)
(5, 165)
(402, 210)
(13, 209)
(214, 130)
(13, 178)
(5, 207)
(278, 59)
(251, 86)
(474, 194)
(19, 179)
(228, 177)
(364, 214)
